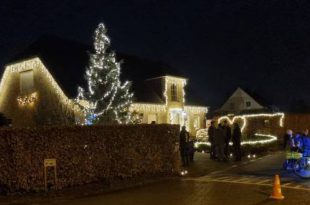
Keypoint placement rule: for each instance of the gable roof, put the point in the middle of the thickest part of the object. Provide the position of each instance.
(67, 60)
(236, 103)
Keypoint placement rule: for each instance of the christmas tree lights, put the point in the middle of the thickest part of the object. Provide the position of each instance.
(109, 100)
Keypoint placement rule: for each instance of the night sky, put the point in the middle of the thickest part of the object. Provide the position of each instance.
(262, 46)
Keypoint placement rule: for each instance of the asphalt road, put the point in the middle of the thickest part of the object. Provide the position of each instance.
(208, 182)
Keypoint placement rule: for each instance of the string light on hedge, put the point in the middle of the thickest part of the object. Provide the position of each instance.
(244, 118)
(271, 138)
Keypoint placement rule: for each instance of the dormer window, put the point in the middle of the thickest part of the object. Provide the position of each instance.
(174, 92)
(26, 82)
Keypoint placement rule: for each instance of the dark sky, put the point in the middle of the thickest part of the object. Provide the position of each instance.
(262, 46)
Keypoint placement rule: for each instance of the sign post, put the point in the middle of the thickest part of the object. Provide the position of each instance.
(50, 163)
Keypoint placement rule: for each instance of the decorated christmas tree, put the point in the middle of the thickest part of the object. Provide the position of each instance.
(107, 98)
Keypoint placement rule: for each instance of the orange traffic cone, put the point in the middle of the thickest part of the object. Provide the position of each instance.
(277, 193)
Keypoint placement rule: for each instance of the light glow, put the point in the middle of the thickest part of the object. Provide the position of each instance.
(271, 138)
(147, 107)
(36, 64)
(168, 80)
(244, 118)
(27, 99)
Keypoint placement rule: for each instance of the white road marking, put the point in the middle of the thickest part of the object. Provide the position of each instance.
(248, 180)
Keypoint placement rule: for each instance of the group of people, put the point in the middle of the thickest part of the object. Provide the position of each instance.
(219, 138)
(299, 142)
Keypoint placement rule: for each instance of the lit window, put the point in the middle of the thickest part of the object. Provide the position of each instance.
(197, 122)
(174, 92)
(248, 104)
(151, 118)
(26, 82)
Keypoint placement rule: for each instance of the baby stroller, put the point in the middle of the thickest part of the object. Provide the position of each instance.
(291, 158)
(302, 165)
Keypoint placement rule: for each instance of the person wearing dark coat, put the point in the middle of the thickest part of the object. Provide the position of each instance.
(236, 138)
(227, 133)
(191, 150)
(184, 137)
(211, 135)
(219, 141)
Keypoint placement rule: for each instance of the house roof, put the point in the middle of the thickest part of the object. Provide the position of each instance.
(240, 96)
(67, 60)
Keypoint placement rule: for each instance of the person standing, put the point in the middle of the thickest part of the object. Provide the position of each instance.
(184, 147)
(191, 150)
(236, 138)
(219, 142)
(227, 134)
(306, 143)
(211, 135)
(288, 140)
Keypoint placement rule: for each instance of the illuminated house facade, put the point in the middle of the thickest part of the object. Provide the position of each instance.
(39, 82)
(164, 101)
(30, 96)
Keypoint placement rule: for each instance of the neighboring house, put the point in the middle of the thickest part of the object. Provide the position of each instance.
(240, 102)
(252, 117)
(163, 100)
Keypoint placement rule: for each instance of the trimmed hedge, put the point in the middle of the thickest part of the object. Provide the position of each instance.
(86, 154)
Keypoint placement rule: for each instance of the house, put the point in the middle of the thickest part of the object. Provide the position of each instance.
(164, 101)
(39, 84)
(240, 102)
(252, 117)
(30, 96)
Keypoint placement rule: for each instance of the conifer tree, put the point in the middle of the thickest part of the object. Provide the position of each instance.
(108, 98)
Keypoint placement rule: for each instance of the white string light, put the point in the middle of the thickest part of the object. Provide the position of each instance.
(244, 118)
(27, 99)
(36, 64)
(271, 138)
(147, 107)
(105, 92)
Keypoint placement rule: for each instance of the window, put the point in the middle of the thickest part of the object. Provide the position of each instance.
(174, 92)
(232, 106)
(26, 82)
(197, 122)
(248, 104)
(151, 118)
